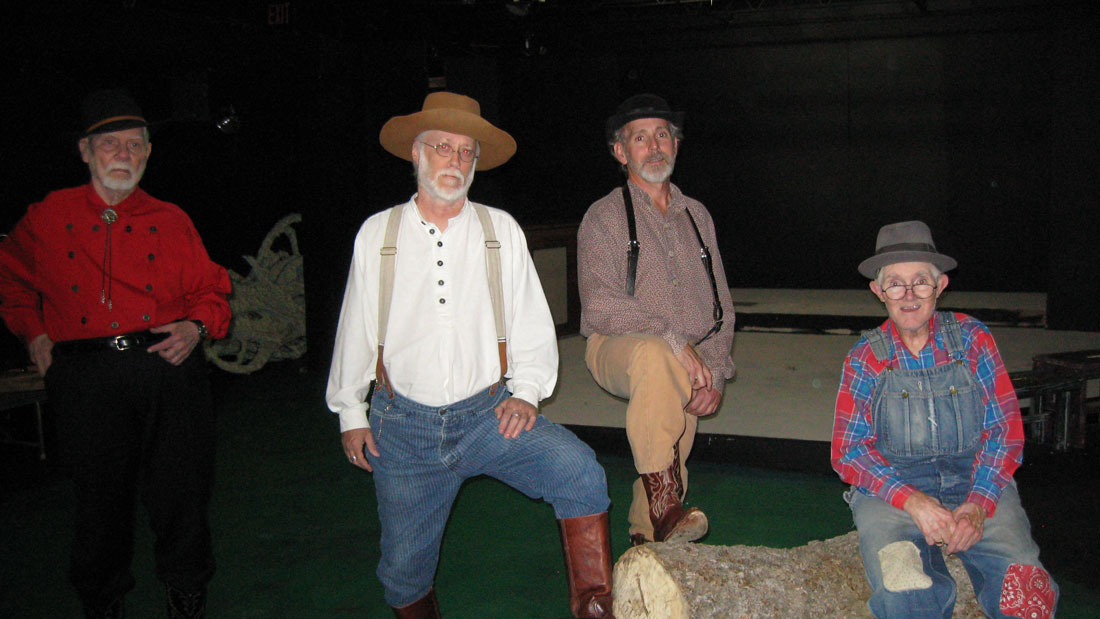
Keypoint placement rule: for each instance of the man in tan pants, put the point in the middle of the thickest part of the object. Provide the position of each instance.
(657, 312)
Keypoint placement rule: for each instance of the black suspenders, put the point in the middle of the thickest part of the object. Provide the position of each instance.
(633, 248)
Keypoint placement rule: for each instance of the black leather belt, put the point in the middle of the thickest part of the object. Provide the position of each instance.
(120, 343)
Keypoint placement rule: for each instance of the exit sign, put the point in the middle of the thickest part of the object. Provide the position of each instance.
(278, 14)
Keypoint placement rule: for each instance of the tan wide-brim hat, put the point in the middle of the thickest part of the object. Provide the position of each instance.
(447, 111)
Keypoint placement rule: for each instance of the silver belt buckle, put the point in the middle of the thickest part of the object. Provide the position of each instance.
(120, 343)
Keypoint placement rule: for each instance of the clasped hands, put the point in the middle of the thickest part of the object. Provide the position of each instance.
(953, 530)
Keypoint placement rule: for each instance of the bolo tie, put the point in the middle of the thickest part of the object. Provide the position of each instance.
(110, 216)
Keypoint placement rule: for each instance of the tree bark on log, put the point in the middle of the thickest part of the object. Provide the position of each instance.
(697, 581)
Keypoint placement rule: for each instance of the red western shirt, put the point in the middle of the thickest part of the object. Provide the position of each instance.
(66, 273)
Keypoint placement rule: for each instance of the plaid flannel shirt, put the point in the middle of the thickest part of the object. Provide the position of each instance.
(854, 455)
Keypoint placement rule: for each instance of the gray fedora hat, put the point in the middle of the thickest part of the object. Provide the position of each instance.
(906, 241)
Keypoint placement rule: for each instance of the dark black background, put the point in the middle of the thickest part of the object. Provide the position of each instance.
(809, 124)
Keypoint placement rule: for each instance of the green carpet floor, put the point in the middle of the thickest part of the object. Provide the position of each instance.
(296, 531)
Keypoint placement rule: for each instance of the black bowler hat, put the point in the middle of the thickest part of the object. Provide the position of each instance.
(109, 110)
(642, 106)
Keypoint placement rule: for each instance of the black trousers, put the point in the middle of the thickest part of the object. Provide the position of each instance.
(132, 425)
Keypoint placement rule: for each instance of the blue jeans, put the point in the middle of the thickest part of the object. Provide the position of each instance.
(427, 452)
(1006, 543)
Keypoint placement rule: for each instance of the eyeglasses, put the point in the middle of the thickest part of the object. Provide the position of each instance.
(110, 144)
(445, 150)
(896, 292)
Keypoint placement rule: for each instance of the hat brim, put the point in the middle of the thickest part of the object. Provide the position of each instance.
(617, 121)
(869, 267)
(118, 125)
(398, 133)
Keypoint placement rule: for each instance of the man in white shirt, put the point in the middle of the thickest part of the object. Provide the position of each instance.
(454, 397)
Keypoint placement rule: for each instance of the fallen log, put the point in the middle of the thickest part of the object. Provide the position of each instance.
(697, 581)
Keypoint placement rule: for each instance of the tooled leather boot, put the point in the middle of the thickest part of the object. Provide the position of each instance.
(671, 522)
(186, 605)
(424, 608)
(587, 544)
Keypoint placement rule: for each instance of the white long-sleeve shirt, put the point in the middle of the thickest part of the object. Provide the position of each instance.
(441, 344)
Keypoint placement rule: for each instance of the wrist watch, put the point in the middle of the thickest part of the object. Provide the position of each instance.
(203, 333)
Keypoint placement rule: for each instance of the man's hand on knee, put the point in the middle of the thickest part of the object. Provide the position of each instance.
(515, 416)
(703, 402)
(698, 373)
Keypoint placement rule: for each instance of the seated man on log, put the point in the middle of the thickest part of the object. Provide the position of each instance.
(928, 432)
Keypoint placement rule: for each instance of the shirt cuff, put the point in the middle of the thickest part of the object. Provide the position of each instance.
(527, 393)
(984, 502)
(898, 495)
(675, 341)
(354, 418)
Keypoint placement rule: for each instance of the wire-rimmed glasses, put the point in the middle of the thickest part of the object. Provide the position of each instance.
(921, 290)
(445, 150)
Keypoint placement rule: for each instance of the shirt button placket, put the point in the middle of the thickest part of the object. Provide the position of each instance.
(441, 282)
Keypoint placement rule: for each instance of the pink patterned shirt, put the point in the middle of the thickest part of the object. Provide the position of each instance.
(672, 297)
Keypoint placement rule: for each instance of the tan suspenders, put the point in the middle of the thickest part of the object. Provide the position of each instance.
(385, 289)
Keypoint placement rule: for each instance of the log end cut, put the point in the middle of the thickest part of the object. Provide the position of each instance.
(645, 588)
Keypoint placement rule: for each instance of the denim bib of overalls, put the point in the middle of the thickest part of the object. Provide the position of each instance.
(928, 422)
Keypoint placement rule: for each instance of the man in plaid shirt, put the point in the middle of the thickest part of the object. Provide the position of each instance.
(928, 432)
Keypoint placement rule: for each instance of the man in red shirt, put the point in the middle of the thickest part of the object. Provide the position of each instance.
(111, 290)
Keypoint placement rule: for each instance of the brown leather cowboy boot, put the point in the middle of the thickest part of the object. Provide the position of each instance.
(424, 608)
(587, 545)
(671, 522)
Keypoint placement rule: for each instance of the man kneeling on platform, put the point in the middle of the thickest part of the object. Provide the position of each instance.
(928, 432)
(470, 349)
(659, 323)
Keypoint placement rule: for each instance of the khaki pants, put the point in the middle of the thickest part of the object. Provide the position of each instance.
(643, 369)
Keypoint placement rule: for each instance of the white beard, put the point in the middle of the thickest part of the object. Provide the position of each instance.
(120, 184)
(655, 175)
(438, 191)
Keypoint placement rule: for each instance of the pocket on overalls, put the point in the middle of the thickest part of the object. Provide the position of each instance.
(903, 424)
(970, 412)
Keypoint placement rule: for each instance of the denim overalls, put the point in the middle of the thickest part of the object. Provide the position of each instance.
(929, 421)
(928, 424)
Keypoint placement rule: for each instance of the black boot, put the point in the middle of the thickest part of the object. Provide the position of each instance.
(185, 605)
(115, 609)
(424, 608)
